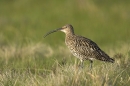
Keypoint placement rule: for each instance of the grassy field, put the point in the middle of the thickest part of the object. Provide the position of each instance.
(27, 59)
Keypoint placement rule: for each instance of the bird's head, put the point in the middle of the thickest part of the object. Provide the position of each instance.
(67, 29)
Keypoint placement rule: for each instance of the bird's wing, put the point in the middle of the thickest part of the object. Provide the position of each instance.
(88, 48)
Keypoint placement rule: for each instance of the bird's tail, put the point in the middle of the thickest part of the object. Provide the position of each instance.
(106, 59)
(111, 60)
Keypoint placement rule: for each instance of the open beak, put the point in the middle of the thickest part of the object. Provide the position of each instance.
(52, 32)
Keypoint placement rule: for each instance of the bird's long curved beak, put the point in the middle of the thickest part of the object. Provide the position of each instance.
(52, 32)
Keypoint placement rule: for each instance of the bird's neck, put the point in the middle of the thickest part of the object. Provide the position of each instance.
(70, 34)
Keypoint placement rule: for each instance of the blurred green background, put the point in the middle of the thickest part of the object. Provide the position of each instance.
(28, 59)
(106, 22)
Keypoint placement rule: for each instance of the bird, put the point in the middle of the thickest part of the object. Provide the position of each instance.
(82, 47)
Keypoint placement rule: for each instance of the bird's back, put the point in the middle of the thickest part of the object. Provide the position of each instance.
(84, 48)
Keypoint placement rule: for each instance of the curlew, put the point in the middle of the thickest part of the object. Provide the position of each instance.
(81, 47)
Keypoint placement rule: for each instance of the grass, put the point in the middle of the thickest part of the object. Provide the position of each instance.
(33, 67)
(27, 59)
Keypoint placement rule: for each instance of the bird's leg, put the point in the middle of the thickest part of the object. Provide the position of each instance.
(81, 63)
(91, 62)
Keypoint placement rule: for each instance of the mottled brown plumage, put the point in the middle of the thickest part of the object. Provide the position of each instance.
(81, 47)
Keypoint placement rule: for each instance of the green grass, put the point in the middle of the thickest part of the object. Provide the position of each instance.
(27, 59)
(36, 66)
